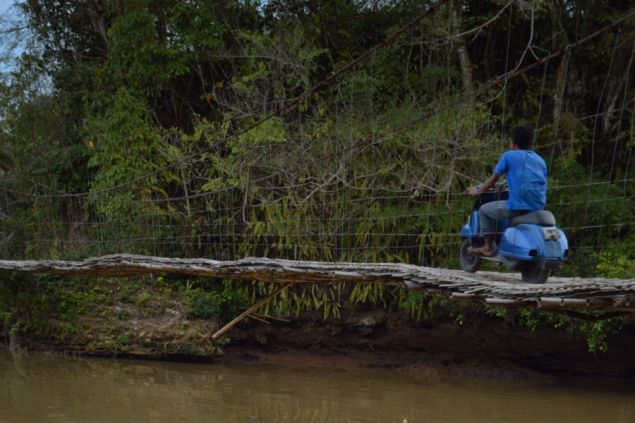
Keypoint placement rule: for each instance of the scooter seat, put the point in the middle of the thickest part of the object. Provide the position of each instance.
(538, 217)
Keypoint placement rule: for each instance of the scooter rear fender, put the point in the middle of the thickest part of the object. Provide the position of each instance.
(527, 243)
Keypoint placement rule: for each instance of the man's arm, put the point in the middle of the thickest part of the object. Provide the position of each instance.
(474, 191)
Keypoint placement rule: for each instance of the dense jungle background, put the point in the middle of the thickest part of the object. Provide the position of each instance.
(193, 128)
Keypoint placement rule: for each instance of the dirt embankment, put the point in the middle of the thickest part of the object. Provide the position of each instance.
(487, 349)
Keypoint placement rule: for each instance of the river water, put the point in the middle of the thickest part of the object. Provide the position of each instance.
(46, 388)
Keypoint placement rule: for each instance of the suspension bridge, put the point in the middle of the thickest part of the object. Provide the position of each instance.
(609, 296)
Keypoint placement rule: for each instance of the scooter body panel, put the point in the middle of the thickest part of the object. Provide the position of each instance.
(528, 242)
(471, 228)
(525, 242)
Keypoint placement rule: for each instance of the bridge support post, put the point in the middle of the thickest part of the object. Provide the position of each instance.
(250, 310)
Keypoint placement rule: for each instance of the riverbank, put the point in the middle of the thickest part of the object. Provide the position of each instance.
(151, 319)
(486, 349)
(434, 350)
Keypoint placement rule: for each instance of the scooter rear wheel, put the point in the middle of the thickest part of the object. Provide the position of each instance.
(534, 273)
(469, 262)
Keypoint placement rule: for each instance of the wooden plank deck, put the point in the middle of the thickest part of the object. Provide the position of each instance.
(503, 289)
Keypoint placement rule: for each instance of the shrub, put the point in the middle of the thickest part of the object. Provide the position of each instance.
(223, 304)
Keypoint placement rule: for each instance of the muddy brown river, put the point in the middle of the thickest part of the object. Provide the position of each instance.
(48, 388)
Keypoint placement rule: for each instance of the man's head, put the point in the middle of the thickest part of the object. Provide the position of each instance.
(522, 137)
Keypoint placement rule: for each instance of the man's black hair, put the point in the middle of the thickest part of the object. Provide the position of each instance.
(523, 136)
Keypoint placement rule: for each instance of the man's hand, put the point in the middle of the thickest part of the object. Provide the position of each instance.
(474, 191)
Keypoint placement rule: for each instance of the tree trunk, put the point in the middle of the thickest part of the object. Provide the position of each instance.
(561, 84)
(559, 40)
(463, 53)
(97, 10)
(624, 59)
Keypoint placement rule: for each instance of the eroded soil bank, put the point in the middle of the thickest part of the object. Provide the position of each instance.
(113, 319)
(433, 348)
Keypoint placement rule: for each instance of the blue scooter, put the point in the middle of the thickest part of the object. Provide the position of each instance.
(530, 243)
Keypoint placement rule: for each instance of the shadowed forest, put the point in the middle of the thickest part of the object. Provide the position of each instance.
(237, 128)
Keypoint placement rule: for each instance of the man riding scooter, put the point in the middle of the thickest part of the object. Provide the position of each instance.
(527, 181)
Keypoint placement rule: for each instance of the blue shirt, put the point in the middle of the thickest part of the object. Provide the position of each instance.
(526, 177)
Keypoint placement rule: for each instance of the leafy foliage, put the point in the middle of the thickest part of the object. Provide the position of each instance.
(215, 304)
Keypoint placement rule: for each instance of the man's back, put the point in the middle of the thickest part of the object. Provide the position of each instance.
(527, 179)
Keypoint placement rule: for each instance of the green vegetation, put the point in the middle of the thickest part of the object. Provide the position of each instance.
(167, 116)
(206, 305)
